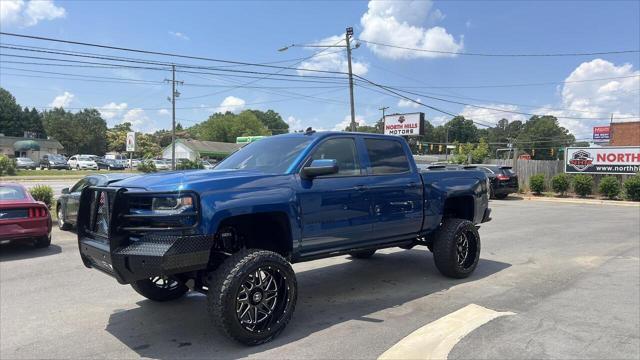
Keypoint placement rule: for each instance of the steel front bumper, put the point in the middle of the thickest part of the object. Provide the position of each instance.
(129, 256)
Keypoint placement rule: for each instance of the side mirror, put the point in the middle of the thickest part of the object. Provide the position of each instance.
(320, 167)
(65, 190)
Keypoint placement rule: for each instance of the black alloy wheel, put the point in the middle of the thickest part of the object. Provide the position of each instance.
(160, 288)
(456, 248)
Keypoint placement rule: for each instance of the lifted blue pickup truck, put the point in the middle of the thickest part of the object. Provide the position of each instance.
(233, 232)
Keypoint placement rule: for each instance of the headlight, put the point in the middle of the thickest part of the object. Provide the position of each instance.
(172, 203)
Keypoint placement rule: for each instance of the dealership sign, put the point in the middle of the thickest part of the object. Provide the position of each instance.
(601, 133)
(404, 124)
(131, 141)
(603, 160)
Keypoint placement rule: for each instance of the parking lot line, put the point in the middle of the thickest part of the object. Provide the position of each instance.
(436, 339)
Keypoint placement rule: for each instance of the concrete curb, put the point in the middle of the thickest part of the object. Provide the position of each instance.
(583, 201)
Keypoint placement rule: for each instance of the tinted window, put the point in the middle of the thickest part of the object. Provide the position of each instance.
(12, 193)
(273, 154)
(386, 156)
(488, 171)
(79, 185)
(508, 172)
(343, 150)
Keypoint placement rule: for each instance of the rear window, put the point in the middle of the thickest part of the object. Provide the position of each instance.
(12, 193)
(509, 172)
(386, 156)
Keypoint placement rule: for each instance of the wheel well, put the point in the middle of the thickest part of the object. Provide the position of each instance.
(460, 207)
(268, 231)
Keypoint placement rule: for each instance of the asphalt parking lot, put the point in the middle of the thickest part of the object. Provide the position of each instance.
(570, 273)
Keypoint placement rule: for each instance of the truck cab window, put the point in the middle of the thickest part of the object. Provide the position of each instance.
(386, 156)
(343, 150)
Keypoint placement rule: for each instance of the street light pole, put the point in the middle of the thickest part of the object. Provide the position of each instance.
(348, 34)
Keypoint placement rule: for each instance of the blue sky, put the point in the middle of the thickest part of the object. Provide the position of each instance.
(253, 31)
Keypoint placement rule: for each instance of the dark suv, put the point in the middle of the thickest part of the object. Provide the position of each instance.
(504, 180)
(53, 161)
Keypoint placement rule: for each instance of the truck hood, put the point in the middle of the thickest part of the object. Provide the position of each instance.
(191, 180)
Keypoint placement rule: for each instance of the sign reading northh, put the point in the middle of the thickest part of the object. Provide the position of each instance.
(404, 124)
(131, 141)
(603, 160)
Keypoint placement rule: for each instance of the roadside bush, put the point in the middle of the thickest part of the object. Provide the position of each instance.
(561, 183)
(188, 164)
(632, 187)
(536, 183)
(583, 185)
(609, 187)
(7, 166)
(147, 166)
(43, 193)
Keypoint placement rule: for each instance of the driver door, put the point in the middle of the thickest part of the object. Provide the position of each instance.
(336, 208)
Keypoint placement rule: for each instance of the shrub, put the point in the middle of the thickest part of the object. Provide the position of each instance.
(147, 166)
(43, 193)
(609, 187)
(536, 183)
(188, 164)
(583, 185)
(560, 183)
(7, 166)
(632, 187)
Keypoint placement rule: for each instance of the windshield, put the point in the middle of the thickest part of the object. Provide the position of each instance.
(24, 159)
(271, 155)
(85, 158)
(56, 157)
(8, 192)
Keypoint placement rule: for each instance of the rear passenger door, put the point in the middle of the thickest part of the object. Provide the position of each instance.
(396, 190)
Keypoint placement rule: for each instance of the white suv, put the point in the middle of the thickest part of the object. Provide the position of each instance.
(81, 162)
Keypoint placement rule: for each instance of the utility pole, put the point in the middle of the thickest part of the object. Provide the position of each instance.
(174, 95)
(383, 109)
(446, 144)
(348, 34)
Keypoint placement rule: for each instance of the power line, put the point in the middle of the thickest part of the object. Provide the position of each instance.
(501, 55)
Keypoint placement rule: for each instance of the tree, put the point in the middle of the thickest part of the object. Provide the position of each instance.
(117, 137)
(272, 121)
(461, 130)
(227, 127)
(542, 134)
(84, 132)
(10, 115)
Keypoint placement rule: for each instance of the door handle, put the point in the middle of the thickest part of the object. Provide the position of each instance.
(412, 184)
(361, 187)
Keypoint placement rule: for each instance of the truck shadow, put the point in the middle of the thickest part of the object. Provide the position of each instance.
(21, 250)
(327, 296)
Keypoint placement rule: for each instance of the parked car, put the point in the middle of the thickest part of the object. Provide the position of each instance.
(504, 180)
(53, 161)
(67, 203)
(25, 163)
(109, 164)
(82, 162)
(22, 218)
(232, 232)
(161, 164)
(208, 164)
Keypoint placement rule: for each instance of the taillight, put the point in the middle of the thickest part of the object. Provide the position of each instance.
(502, 177)
(36, 212)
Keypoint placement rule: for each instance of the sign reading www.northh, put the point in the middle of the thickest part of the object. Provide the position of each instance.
(603, 160)
(404, 124)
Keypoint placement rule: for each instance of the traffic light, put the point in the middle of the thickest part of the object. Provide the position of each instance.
(552, 152)
(439, 148)
(533, 152)
(431, 147)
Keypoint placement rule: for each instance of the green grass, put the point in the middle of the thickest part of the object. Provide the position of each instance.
(69, 173)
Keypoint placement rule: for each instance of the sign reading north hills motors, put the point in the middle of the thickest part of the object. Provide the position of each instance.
(404, 124)
(603, 160)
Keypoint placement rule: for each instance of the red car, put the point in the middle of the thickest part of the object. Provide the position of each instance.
(22, 218)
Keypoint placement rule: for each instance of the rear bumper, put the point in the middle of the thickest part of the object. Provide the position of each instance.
(25, 229)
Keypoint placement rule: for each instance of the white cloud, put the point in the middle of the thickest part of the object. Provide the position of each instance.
(179, 35)
(347, 122)
(492, 116)
(408, 104)
(231, 103)
(164, 112)
(597, 99)
(332, 60)
(14, 12)
(112, 110)
(401, 23)
(62, 100)
(139, 120)
(294, 124)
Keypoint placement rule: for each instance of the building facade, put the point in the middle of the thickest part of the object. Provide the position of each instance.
(198, 149)
(16, 146)
(625, 134)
